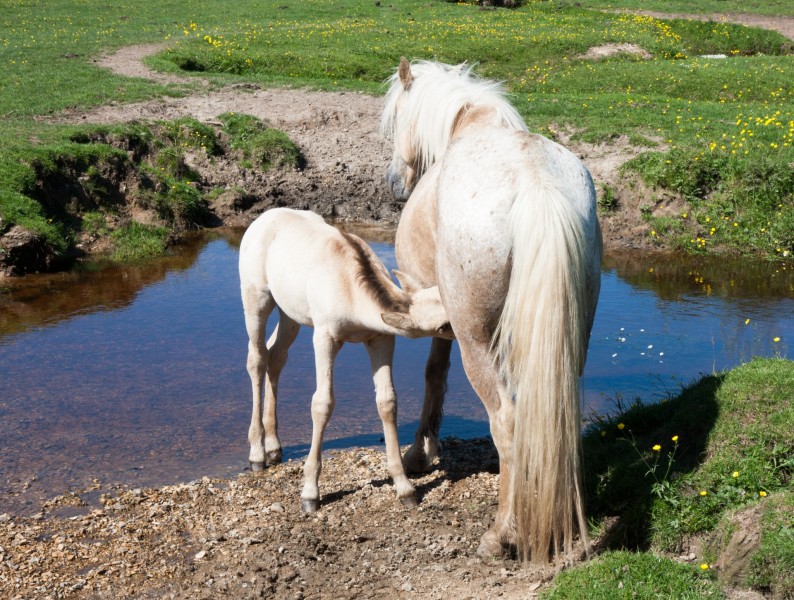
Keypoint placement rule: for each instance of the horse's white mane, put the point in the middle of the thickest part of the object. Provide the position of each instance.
(437, 95)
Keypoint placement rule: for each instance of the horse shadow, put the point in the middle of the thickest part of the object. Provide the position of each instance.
(619, 488)
(459, 458)
(620, 451)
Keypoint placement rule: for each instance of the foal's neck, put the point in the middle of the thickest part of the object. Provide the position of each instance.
(375, 281)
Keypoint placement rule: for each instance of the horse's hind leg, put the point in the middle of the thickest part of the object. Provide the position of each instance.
(325, 350)
(381, 354)
(420, 456)
(484, 378)
(257, 304)
(278, 347)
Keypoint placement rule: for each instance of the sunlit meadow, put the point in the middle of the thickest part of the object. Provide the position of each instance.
(712, 106)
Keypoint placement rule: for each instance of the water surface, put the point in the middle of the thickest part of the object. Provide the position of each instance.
(136, 374)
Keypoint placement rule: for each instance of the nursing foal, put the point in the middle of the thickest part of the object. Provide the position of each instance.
(319, 276)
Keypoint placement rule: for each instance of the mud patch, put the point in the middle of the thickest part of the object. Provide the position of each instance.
(609, 50)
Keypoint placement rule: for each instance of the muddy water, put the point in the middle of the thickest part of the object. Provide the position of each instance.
(136, 375)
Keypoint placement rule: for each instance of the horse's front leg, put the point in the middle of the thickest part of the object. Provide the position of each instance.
(257, 305)
(420, 456)
(278, 346)
(381, 355)
(325, 350)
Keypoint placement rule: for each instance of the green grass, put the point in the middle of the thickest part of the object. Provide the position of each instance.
(260, 145)
(633, 575)
(657, 474)
(137, 242)
(771, 566)
(718, 131)
(704, 7)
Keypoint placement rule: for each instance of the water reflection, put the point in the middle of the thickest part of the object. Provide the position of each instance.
(137, 374)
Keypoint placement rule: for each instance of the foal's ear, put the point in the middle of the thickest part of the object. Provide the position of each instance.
(404, 71)
(408, 284)
(399, 321)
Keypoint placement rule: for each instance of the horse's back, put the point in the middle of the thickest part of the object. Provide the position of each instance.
(482, 175)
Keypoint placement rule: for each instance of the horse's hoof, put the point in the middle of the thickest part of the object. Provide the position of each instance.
(416, 463)
(310, 506)
(409, 501)
(273, 458)
(257, 466)
(491, 548)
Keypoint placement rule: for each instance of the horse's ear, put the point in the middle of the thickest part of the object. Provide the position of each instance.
(407, 283)
(400, 321)
(404, 71)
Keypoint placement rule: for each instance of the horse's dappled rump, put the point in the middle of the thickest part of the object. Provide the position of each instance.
(508, 230)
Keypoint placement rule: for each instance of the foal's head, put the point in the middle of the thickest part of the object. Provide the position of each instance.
(425, 317)
(425, 102)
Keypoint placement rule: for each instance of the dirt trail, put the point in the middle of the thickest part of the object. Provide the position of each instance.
(345, 153)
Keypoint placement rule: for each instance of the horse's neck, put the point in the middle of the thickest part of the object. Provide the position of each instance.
(476, 117)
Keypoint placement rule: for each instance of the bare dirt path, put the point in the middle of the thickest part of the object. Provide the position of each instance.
(345, 153)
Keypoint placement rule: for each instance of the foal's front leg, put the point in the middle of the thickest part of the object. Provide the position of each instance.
(381, 355)
(257, 304)
(420, 456)
(325, 350)
(278, 346)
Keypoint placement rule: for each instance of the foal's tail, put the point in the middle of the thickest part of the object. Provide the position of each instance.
(541, 342)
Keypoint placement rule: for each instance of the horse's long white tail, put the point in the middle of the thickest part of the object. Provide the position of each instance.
(541, 345)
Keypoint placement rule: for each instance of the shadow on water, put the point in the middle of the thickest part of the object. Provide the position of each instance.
(671, 277)
(44, 300)
(405, 432)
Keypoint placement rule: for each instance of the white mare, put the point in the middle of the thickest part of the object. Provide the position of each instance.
(319, 276)
(504, 222)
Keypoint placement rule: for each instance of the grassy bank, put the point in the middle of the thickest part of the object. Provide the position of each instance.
(696, 472)
(718, 132)
(129, 185)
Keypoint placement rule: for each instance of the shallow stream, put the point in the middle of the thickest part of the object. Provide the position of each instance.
(136, 375)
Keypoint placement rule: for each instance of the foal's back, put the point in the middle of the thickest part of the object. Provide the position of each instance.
(306, 265)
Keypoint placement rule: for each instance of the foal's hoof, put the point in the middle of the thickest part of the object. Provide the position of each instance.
(409, 501)
(273, 458)
(310, 506)
(257, 466)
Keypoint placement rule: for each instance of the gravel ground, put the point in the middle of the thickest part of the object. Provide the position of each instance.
(246, 537)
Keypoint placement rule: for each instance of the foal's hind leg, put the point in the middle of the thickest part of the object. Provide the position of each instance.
(381, 354)
(325, 350)
(257, 305)
(419, 457)
(278, 346)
